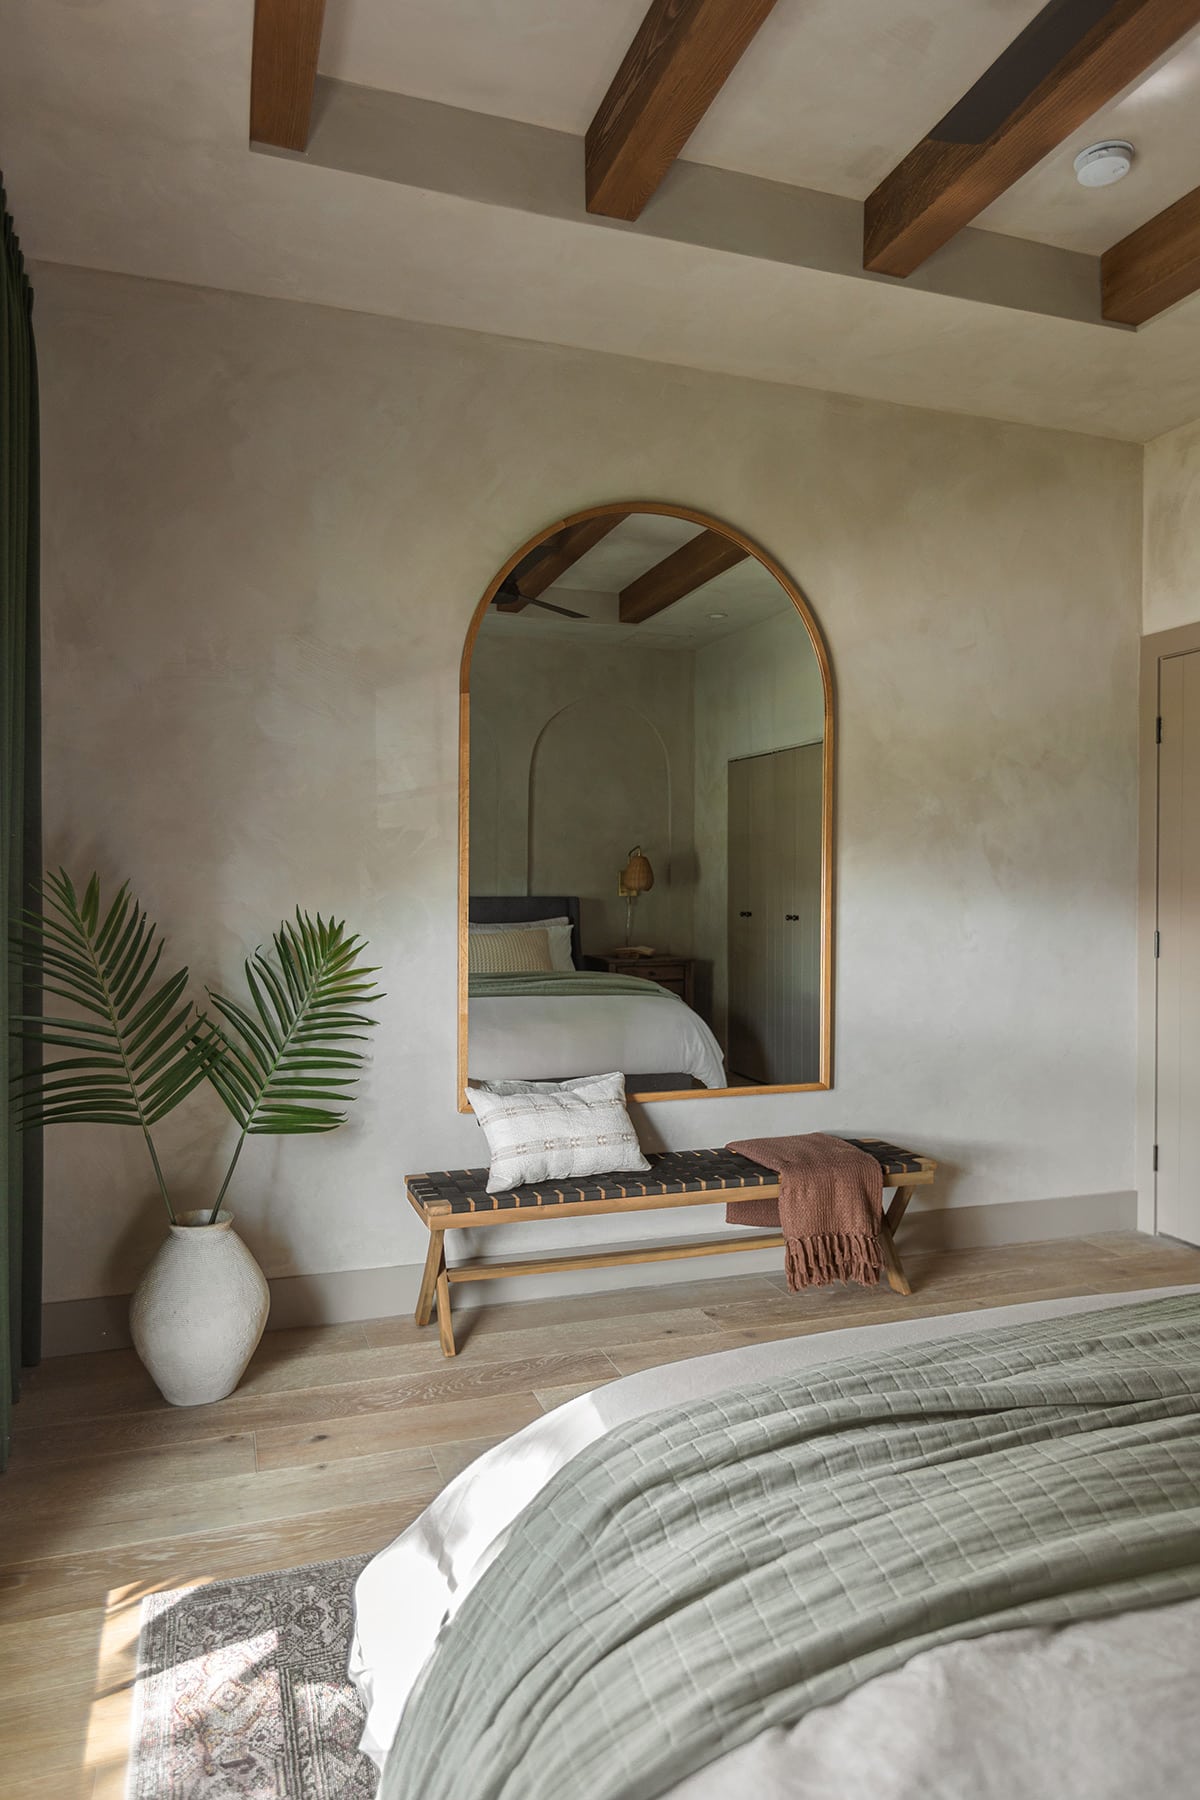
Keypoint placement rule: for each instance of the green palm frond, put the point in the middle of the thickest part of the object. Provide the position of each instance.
(137, 1046)
(289, 1059)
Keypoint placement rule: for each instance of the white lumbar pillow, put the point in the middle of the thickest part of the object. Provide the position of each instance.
(556, 1130)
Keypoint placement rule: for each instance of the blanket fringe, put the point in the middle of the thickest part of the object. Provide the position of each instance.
(832, 1256)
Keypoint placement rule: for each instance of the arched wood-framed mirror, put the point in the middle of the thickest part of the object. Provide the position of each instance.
(646, 746)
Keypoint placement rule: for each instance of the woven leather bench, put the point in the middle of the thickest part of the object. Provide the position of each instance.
(458, 1199)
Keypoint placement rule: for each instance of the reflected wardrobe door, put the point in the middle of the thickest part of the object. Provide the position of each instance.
(794, 915)
(747, 899)
(775, 805)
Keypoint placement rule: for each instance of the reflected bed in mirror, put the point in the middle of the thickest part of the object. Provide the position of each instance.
(646, 814)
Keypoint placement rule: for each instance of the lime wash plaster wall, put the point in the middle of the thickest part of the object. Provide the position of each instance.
(267, 526)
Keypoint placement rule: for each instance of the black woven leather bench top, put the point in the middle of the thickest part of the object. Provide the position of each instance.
(671, 1172)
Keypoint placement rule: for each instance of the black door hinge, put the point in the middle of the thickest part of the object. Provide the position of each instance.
(1158, 943)
(1158, 729)
(1156, 1159)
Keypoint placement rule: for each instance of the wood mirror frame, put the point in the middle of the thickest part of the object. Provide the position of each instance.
(710, 522)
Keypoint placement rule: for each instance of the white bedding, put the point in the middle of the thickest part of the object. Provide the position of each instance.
(1094, 1711)
(551, 1037)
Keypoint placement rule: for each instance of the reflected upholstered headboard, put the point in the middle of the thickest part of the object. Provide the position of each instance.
(519, 909)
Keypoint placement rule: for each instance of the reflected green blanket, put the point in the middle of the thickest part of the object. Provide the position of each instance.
(702, 1574)
(563, 981)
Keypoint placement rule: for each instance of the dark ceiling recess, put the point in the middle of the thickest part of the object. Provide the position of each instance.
(1072, 59)
(1043, 44)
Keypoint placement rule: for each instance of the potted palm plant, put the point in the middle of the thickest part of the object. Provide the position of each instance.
(284, 1062)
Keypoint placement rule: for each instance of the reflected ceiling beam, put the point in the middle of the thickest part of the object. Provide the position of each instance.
(543, 566)
(677, 64)
(283, 70)
(1154, 266)
(1069, 61)
(701, 559)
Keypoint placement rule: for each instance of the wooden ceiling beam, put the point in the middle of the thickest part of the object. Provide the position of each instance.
(698, 561)
(1070, 60)
(283, 70)
(1155, 266)
(677, 64)
(553, 557)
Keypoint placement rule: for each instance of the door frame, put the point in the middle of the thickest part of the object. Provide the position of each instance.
(1157, 648)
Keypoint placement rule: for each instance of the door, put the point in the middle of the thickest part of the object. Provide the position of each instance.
(775, 916)
(1178, 1088)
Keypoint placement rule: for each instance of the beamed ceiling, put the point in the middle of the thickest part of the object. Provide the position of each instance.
(869, 196)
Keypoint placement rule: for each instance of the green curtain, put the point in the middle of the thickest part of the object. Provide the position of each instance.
(20, 814)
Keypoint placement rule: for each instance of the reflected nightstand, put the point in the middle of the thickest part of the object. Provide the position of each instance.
(673, 972)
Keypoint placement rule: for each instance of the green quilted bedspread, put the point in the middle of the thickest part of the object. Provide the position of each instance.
(563, 981)
(702, 1574)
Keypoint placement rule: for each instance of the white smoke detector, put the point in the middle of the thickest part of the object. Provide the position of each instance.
(1103, 164)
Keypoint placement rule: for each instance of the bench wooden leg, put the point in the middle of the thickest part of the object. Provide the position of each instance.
(435, 1262)
(445, 1322)
(893, 1268)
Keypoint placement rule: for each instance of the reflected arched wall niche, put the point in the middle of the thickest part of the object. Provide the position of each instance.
(642, 673)
(629, 755)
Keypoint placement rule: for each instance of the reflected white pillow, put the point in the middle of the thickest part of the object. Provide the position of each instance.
(556, 1130)
(558, 931)
(509, 953)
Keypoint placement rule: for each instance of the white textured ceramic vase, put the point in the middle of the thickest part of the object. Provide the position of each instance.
(199, 1310)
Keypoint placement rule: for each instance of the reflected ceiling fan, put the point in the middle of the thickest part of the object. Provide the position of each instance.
(509, 598)
(547, 561)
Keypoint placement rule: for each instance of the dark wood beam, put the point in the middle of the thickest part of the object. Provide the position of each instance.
(551, 559)
(701, 559)
(677, 64)
(283, 70)
(1071, 60)
(1154, 266)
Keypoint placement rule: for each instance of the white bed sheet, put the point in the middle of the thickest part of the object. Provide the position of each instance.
(551, 1037)
(1095, 1711)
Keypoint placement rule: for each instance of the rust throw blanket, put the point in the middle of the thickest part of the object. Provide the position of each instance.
(829, 1207)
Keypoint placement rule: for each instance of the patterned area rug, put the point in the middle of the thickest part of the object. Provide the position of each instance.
(242, 1690)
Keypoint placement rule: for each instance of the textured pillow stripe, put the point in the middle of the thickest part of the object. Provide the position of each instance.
(558, 930)
(552, 1131)
(509, 953)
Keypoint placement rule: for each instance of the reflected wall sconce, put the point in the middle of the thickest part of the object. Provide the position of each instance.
(637, 877)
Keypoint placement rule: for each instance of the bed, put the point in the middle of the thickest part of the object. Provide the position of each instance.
(577, 1021)
(1094, 1702)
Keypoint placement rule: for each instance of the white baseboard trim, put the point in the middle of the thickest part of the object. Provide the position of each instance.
(342, 1296)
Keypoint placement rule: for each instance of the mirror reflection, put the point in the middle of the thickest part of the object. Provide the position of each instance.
(647, 817)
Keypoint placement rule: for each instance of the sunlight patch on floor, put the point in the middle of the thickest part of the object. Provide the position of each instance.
(106, 1745)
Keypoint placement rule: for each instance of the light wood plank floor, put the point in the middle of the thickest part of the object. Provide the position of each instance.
(335, 1441)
